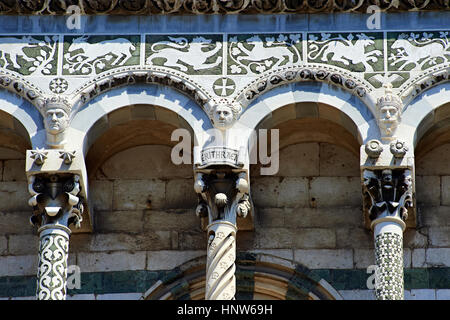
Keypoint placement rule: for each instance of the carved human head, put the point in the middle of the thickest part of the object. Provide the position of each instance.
(57, 113)
(389, 110)
(223, 115)
(386, 176)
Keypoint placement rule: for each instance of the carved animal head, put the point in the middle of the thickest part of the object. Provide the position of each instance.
(365, 40)
(201, 40)
(77, 43)
(254, 40)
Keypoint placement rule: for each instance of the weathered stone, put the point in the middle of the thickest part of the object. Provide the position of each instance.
(284, 257)
(155, 240)
(270, 217)
(325, 258)
(15, 222)
(443, 294)
(18, 265)
(323, 217)
(3, 245)
(412, 238)
(357, 294)
(435, 216)
(293, 192)
(246, 240)
(167, 259)
(14, 170)
(437, 257)
(314, 238)
(418, 258)
(14, 196)
(336, 192)
(265, 191)
(440, 237)
(119, 221)
(170, 220)
(119, 296)
(145, 162)
(9, 154)
(180, 194)
(101, 193)
(428, 190)
(354, 238)
(306, 162)
(274, 238)
(445, 190)
(363, 258)
(336, 161)
(115, 261)
(87, 296)
(420, 294)
(435, 162)
(23, 244)
(192, 240)
(139, 194)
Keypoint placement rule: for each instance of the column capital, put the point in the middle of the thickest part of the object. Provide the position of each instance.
(57, 182)
(388, 195)
(223, 195)
(56, 201)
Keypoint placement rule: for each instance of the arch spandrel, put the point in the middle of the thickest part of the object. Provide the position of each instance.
(152, 95)
(26, 114)
(312, 92)
(420, 114)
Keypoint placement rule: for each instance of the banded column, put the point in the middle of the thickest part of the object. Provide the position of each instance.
(390, 193)
(223, 195)
(56, 205)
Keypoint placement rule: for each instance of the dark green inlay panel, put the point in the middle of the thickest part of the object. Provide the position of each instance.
(140, 281)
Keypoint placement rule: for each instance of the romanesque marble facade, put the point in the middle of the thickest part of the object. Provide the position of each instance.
(157, 141)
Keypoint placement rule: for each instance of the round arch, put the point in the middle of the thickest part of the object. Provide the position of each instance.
(279, 279)
(26, 120)
(139, 102)
(426, 111)
(303, 99)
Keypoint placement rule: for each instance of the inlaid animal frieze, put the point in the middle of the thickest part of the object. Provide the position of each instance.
(417, 51)
(90, 55)
(360, 52)
(254, 54)
(191, 54)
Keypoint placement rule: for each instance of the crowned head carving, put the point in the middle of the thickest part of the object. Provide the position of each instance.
(224, 114)
(56, 111)
(389, 111)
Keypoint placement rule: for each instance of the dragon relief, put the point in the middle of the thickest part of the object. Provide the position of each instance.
(416, 52)
(358, 52)
(258, 53)
(186, 54)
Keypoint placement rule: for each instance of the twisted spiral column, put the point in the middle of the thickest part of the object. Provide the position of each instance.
(52, 268)
(221, 256)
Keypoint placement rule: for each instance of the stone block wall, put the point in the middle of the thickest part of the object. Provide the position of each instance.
(308, 213)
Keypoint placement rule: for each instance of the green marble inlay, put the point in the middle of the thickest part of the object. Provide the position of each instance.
(29, 55)
(91, 55)
(258, 53)
(417, 51)
(357, 52)
(140, 281)
(191, 54)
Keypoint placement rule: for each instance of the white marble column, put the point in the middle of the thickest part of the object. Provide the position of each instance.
(390, 192)
(222, 197)
(55, 206)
